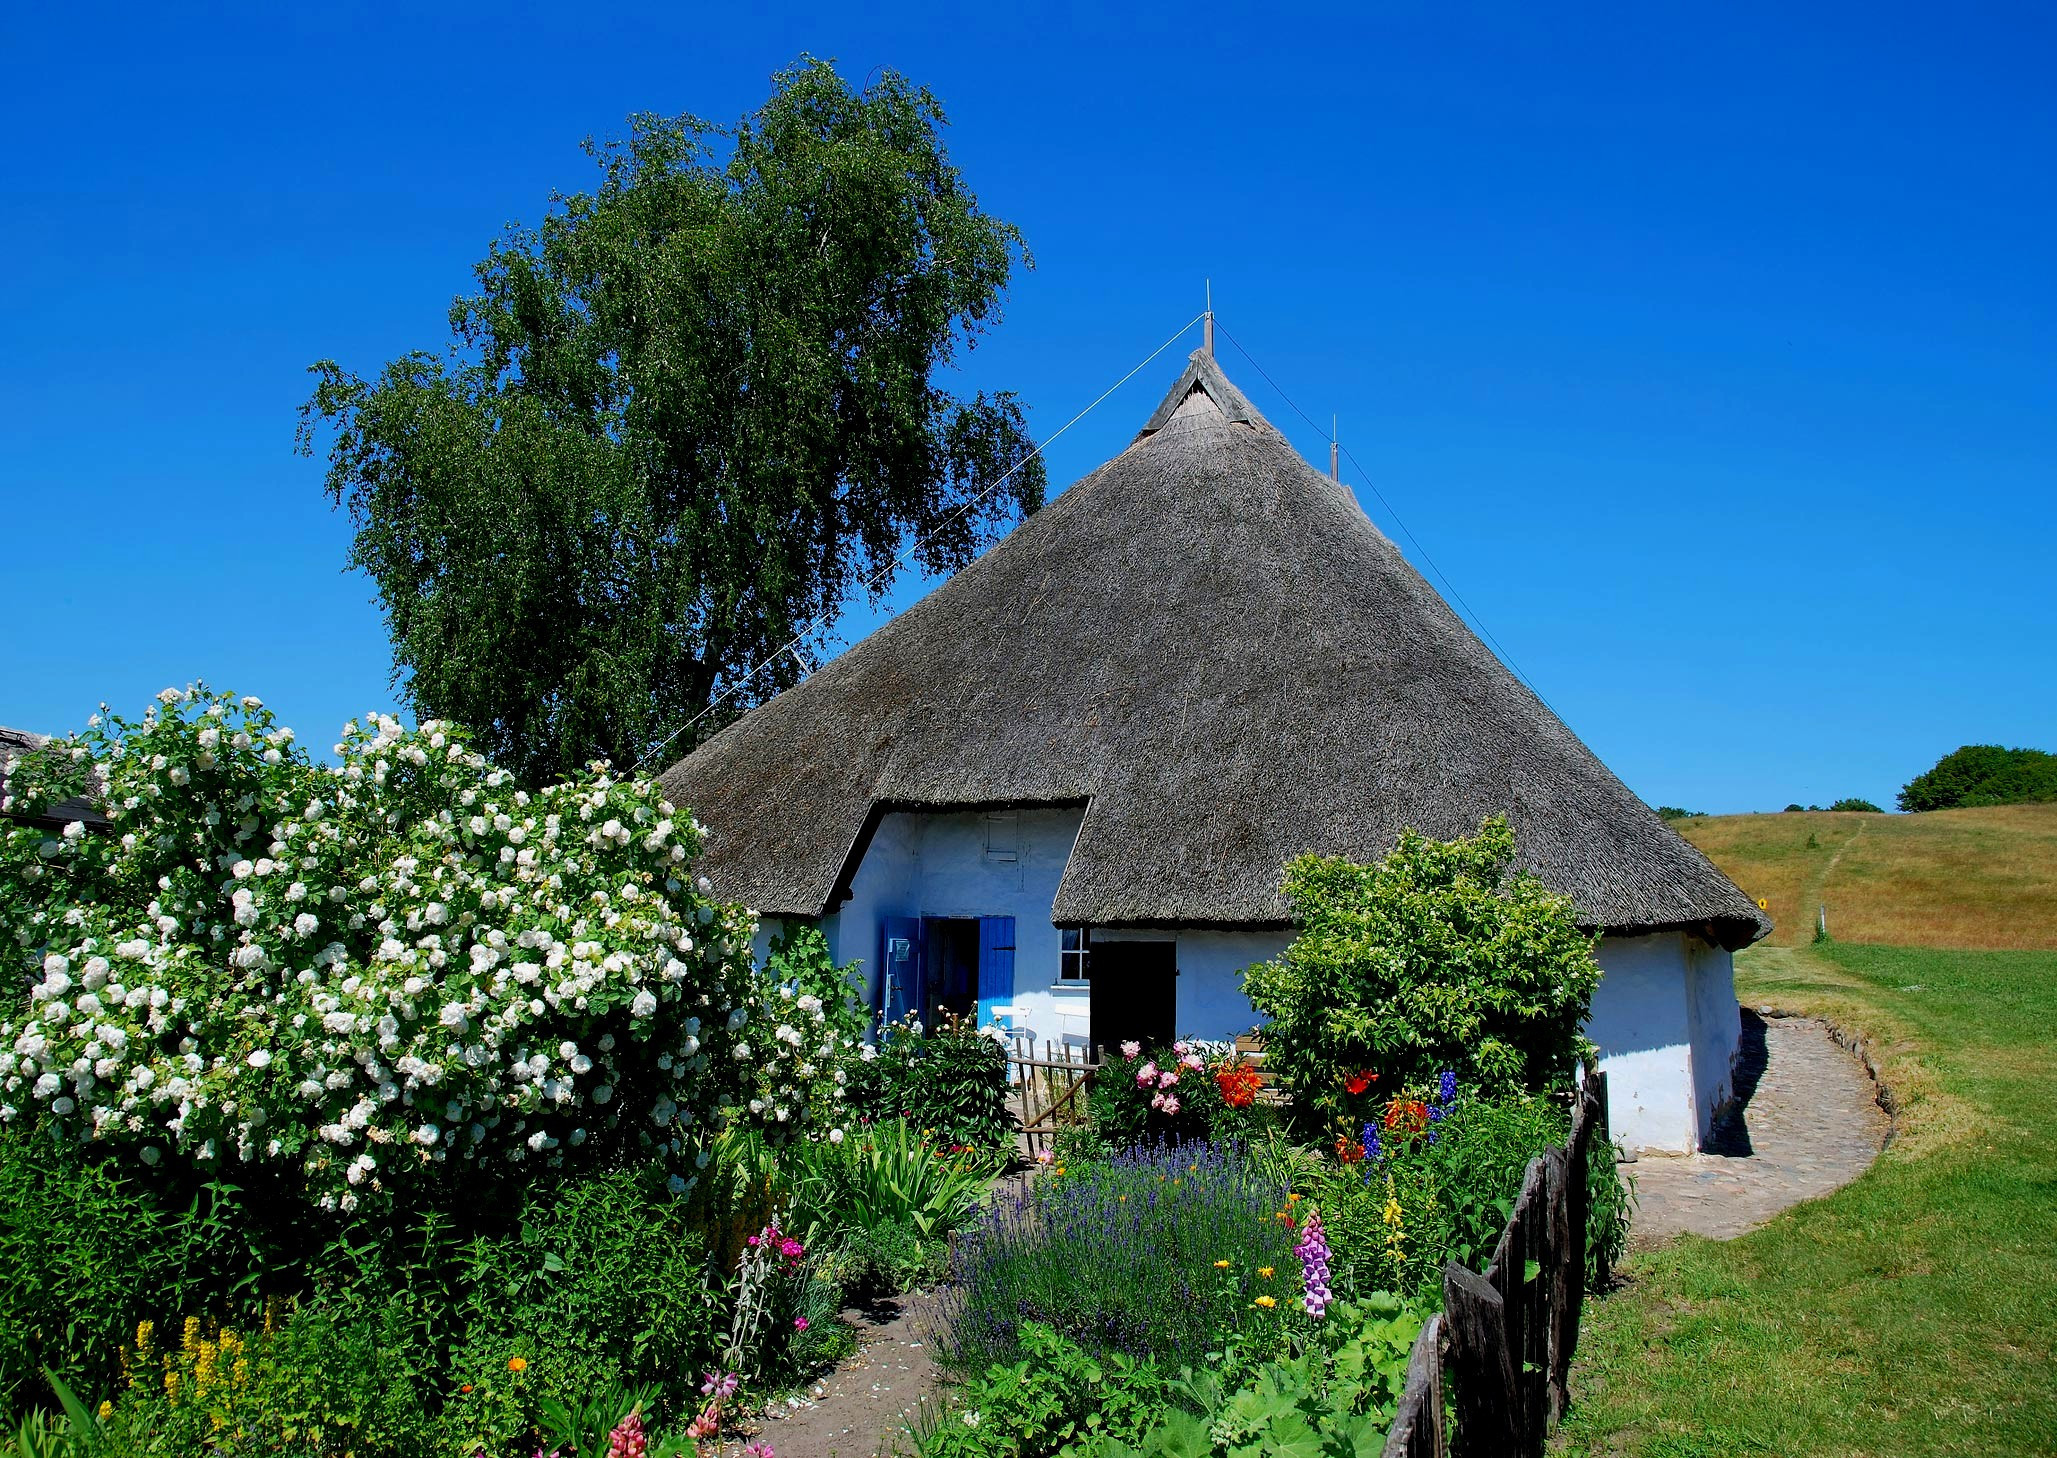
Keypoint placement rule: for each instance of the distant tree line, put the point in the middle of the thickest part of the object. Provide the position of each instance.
(1849, 802)
(1983, 774)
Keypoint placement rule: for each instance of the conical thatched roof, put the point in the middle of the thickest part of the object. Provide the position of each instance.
(1211, 647)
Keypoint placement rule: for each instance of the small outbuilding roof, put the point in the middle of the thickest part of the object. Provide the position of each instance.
(1209, 645)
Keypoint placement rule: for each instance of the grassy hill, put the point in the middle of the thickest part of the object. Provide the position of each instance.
(1981, 879)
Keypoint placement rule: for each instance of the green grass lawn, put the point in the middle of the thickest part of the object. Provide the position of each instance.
(1913, 1311)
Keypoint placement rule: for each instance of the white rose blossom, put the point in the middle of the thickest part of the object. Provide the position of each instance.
(449, 982)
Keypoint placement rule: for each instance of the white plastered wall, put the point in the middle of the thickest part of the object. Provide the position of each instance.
(939, 863)
(1665, 1020)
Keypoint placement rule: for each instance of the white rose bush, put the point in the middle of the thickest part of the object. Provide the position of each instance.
(392, 971)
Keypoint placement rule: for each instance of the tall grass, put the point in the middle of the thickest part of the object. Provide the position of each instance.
(1981, 878)
(1120, 1256)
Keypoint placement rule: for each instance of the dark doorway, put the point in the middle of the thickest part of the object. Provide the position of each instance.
(952, 972)
(1135, 996)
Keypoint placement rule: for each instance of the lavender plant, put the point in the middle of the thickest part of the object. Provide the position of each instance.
(1161, 1253)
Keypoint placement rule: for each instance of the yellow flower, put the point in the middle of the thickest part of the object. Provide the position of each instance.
(1292, 1199)
(1266, 1271)
(1221, 1265)
(517, 1364)
(106, 1410)
(1267, 1302)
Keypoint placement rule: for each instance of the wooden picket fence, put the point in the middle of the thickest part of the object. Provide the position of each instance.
(1503, 1343)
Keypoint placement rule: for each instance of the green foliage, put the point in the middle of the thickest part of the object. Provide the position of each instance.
(1433, 958)
(1325, 1391)
(890, 1256)
(1983, 774)
(1332, 1396)
(885, 1174)
(1445, 1193)
(1672, 812)
(689, 414)
(1853, 803)
(798, 961)
(951, 1080)
(88, 1248)
(1057, 1399)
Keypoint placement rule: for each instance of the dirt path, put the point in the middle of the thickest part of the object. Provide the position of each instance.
(1806, 1121)
(861, 1408)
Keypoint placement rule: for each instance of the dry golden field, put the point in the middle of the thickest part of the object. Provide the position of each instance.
(1949, 878)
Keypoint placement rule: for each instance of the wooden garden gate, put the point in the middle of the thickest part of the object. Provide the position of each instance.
(1051, 1088)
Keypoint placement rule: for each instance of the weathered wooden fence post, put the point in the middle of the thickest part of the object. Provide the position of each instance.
(1482, 1366)
(1417, 1430)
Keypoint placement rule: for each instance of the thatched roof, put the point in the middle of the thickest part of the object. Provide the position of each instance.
(19, 744)
(1211, 647)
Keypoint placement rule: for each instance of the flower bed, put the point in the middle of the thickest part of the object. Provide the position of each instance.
(432, 1112)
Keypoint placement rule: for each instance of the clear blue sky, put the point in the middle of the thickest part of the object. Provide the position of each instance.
(1712, 352)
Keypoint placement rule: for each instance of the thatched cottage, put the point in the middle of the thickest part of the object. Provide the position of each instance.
(1060, 790)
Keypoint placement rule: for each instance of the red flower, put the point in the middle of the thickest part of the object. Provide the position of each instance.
(1410, 1115)
(1349, 1151)
(1239, 1083)
(1357, 1083)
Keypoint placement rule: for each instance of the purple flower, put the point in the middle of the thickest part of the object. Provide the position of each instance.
(1447, 1092)
(1313, 1252)
(1373, 1151)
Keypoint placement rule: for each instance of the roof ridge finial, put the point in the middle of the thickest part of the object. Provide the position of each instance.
(1207, 329)
(1335, 470)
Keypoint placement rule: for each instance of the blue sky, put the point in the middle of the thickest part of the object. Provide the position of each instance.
(1712, 354)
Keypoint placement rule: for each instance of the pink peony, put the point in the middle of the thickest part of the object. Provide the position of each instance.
(1167, 1078)
(1170, 1103)
(1146, 1075)
(1131, 1049)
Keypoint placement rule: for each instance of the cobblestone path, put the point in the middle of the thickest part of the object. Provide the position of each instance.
(1806, 1121)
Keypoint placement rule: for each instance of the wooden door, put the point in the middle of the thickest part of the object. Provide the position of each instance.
(1135, 993)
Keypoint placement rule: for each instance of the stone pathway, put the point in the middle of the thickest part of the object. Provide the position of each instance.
(1806, 1121)
(859, 1409)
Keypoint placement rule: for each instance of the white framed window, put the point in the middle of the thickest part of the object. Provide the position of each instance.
(1003, 836)
(1073, 958)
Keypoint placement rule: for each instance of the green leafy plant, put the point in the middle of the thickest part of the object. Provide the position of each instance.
(951, 1080)
(1057, 1398)
(1331, 1396)
(889, 1174)
(1437, 957)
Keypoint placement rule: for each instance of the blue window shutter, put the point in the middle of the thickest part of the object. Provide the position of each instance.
(996, 965)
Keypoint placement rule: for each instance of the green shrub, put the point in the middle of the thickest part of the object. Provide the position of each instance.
(1852, 803)
(1057, 1398)
(88, 1248)
(886, 1258)
(1333, 1394)
(1983, 774)
(951, 1080)
(1434, 958)
(400, 974)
